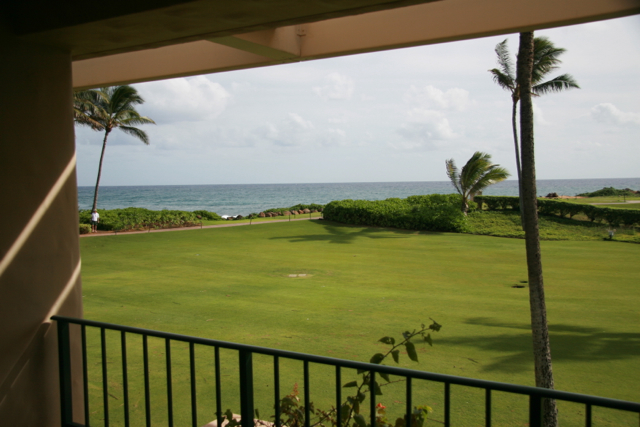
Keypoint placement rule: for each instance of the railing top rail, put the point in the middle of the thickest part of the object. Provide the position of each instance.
(391, 370)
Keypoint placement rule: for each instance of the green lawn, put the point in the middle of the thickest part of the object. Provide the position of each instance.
(361, 284)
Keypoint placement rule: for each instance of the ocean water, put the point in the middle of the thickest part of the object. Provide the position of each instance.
(244, 199)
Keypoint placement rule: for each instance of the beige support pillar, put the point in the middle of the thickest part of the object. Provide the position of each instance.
(39, 254)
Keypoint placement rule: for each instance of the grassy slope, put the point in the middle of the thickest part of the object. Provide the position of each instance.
(363, 283)
(507, 224)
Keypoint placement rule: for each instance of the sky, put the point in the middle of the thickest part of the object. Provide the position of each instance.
(388, 116)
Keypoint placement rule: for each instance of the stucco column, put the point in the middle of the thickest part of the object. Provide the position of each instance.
(39, 254)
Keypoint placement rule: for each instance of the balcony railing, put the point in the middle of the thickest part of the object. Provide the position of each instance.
(245, 365)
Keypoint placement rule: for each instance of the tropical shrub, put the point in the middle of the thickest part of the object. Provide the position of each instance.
(85, 228)
(140, 218)
(435, 212)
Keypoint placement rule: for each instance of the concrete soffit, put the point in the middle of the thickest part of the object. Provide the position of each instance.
(429, 23)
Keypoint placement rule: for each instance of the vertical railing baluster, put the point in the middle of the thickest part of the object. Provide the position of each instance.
(372, 400)
(409, 406)
(147, 394)
(246, 388)
(307, 394)
(105, 385)
(218, 386)
(276, 388)
(192, 369)
(125, 379)
(85, 378)
(338, 397)
(587, 421)
(167, 346)
(64, 365)
(535, 411)
(447, 405)
(487, 407)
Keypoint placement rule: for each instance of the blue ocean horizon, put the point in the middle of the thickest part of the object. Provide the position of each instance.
(243, 199)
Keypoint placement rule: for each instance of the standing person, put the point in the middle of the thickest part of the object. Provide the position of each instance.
(95, 218)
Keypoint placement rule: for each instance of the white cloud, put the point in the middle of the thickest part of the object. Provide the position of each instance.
(538, 116)
(426, 129)
(184, 100)
(337, 86)
(430, 97)
(291, 131)
(609, 114)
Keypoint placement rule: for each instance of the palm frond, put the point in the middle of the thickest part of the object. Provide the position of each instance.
(452, 173)
(135, 132)
(504, 59)
(503, 80)
(558, 84)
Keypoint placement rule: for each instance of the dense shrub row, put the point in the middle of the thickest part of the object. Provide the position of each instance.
(436, 212)
(136, 218)
(562, 209)
(298, 207)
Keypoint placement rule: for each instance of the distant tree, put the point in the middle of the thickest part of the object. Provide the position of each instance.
(476, 175)
(546, 58)
(106, 109)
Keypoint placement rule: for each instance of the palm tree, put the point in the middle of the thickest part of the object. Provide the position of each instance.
(546, 58)
(109, 108)
(526, 74)
(476, 175)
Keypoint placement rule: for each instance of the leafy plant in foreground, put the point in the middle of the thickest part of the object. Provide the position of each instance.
(292, 410)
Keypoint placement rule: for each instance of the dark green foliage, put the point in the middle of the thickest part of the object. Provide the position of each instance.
(298, 207)
(211, 216)
(562, 209)
(140, 218)
(85, 229)
(435, 212)
(610, 191)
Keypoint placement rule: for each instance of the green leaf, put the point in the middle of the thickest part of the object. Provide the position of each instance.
(435, 326)
(385, 376)
(377, 358)
(344, 411)
(361, 397)
(229, 414)
(257, 413)
(356, 406)
(396, 355)
(361, 371)
(351, 384)
(428, 340)
(399, 422)
(359, 419)
(376, 388)
(406, 334)
(411, 351)
(387, 340)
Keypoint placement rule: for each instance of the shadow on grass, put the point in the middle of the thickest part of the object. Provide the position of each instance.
(335, 232)
(568, 343)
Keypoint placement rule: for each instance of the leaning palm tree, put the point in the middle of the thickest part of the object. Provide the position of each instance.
(475, 176)
(546, 58)
(109, 108)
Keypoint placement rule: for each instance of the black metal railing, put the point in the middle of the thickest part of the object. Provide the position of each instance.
(245, 366)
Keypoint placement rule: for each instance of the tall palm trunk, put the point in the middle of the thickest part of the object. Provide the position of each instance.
(95, 193)
(515, 142)
(539, 328)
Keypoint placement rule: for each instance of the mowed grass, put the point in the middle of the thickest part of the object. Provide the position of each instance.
(361, 284)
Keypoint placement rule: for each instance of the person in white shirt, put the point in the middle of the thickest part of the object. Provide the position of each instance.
(95, 218)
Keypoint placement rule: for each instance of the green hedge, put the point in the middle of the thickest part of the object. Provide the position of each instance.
(135, 218)
(85, 228)
(562, 209)
(436, 212)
